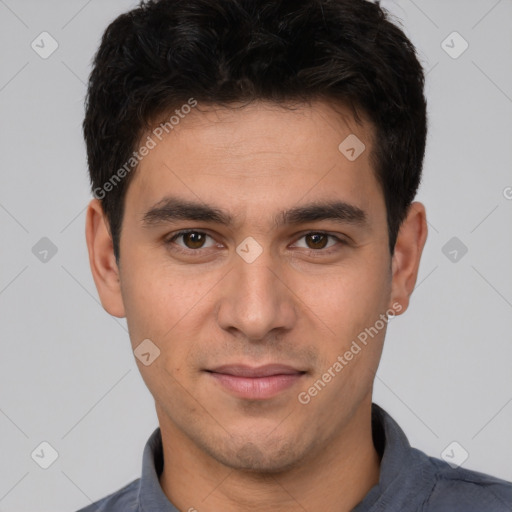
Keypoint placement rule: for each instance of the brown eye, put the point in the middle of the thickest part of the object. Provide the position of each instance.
(320, 243)
(316, 240)
(190, 240)
(193, 240)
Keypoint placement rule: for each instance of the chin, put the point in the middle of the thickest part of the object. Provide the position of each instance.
(254, 457)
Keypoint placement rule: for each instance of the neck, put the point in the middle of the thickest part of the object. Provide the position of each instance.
(336, 477)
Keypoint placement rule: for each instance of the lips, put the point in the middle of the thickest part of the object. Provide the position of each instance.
(259, 371)
(255, 383)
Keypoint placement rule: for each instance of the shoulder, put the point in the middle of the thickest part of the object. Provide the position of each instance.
(123, 500)
(464, 490)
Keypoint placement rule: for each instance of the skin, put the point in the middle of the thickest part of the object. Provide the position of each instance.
(296, 304)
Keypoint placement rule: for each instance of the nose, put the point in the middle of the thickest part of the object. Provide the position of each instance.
(256, 299)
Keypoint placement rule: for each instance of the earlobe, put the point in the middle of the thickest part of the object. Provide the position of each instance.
(102, 260)
(407, 255)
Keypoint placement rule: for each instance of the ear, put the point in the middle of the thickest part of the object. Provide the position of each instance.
(406, 257)
(102, 260)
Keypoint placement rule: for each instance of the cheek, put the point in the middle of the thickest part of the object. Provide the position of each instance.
(156, 297)
(352, 300)
(170, 306)
(146, 312)
(352, 310)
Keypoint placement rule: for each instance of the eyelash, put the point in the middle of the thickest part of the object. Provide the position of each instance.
(194, 252)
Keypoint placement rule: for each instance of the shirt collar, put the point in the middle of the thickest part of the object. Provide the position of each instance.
(403, 479)
(151, 497)
(405, 474)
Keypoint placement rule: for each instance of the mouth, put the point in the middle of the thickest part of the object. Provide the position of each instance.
(256, 383)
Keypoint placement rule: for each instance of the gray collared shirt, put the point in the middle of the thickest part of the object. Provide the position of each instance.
(409, 481)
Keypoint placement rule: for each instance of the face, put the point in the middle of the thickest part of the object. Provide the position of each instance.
(284, 261)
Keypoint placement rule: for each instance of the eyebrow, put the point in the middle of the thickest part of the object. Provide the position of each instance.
(172, 209)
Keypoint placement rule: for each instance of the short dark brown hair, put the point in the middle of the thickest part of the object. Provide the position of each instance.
(162, 54)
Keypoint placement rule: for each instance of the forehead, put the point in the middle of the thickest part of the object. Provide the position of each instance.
(262, 155)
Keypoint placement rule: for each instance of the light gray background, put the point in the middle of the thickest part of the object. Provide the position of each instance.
(67, 374)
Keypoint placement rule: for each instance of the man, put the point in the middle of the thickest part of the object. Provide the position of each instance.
(254, 165)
